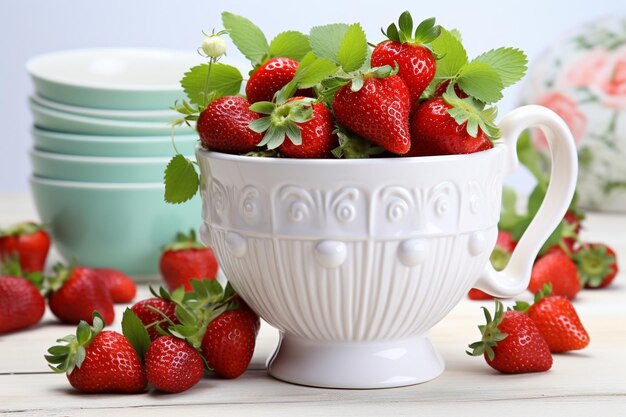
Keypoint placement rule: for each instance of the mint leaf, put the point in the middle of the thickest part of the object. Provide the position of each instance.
(225, 80)
(247, 37)
(452, 53)
(509, 63)
(481, 81)
(352, 50)
(325, 40)
(181, 180)
(134, 330)
(290, 44)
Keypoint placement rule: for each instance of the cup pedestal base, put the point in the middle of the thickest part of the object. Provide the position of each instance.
(358, 365)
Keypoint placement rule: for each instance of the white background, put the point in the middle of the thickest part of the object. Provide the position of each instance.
(30, 27)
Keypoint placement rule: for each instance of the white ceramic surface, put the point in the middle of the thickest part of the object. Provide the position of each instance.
(355, 260)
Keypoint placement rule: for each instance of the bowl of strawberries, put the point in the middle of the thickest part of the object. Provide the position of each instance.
(352, 195)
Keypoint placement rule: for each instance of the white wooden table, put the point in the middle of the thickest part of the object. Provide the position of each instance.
(585, 383)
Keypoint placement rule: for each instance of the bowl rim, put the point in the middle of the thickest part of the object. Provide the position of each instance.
(96, 185)
(35, 72)
(498, 146)
(100, 159)
(90, 111)
(79, 137)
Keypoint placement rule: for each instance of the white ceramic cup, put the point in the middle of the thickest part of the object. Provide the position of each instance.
(355, 260)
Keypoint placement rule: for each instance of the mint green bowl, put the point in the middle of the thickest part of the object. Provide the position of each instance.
(59, 121)
(118, 146)
(97, 168)
(108, 78)
(122, 226)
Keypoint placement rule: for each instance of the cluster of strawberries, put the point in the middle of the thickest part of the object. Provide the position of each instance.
(168, 340)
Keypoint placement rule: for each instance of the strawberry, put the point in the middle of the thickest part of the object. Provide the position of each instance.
(151, 318)
(435, 132)
(476, 294)
(21, 304)
(172, 365)
(31, 244)
(557, 268)
(223, 126)
(378, 111)
(186, 258)
(511, 343)
(505, 241)
(411, 53)
(443, 86)
(120, 285)
(98, 361)
(597, 265)
(228, 344)
(76, 293)
(573, 219)
(298, 128)
(499, 259)
(557, 321)
(270, 77)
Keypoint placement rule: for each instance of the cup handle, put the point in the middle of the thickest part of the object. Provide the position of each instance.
(515, 277)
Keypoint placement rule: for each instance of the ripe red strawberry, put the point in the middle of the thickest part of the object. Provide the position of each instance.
(270, 77)
(172, 364)
(597, 265)
(511, 343)
(120, 285)
(443, 86)
(151, 318)
(410, 52)
(318, 139)
(77, 293)
(228, 344)
(30, 242)
(557, 321)
(557, 268)
(476, 294)
(186, 258)
(98, 361)
(505, 241)
(435, 132)
(223, 126)
(574, 221)
(21, 304)
(378, 111)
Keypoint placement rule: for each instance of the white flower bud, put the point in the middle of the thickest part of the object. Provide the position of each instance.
(214, 46)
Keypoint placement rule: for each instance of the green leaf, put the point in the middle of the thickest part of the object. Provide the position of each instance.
(530, 157)
(452, 53)
(293, 133)
(247, 37)
(405, 22)
(325, 40)
(263, 107)
(134, 330)
(392, 32)
(352, 50)
(261, 124)
(427, 31)
(313, 73)
(481, 81)
(225, 80)
(181, 180)
(290, 44)
(509, 63)
(83, 332)
(535, 199)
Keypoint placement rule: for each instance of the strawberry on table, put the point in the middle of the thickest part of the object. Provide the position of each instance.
(557, 321)
(556, 268)
(511, 343)
(120, 285)
(186, 258)
(97, 360)
(145, 310)
(76, 292)
(21, 303)
(298, 128)
(29, 241)
(597, 265)
(172, 364)
(410, 52)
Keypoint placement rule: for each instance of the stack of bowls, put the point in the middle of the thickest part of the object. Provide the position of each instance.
(101, 143)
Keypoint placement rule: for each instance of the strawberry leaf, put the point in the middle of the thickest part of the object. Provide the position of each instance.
(247, 37)
(325, 40)
(405, 22)
(225, 80)
(134, 330)
(452, 53)
(290, 44)
(181, 180)
(427, 31)
(509, 63)
(352, 50)
(481, 81)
